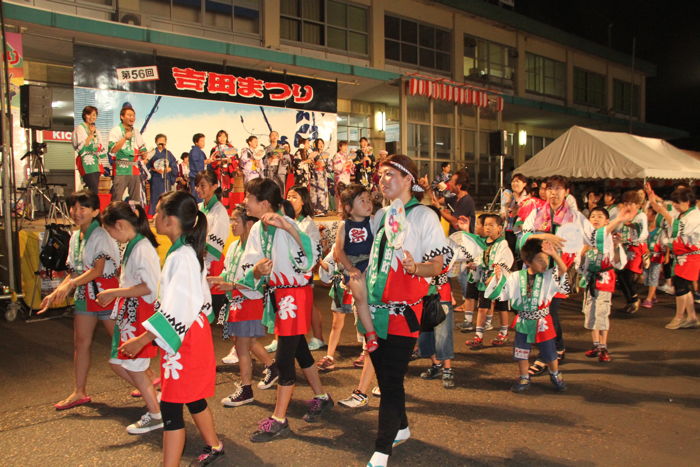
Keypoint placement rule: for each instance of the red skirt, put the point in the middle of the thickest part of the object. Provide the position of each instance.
(85, 298)
(293, 310)
(127, 330)
(247, 310)
(635, 258)
(190, 374)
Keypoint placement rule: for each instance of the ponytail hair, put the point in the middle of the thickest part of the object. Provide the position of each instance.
(193, 222)
(209, 176)
(136, 216)
(264, 189)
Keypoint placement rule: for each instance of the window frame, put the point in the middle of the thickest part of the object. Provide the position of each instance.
(586, 88)
(509, 53)
(202, 23)
(620, 104)
(436, 50)
(541, 77)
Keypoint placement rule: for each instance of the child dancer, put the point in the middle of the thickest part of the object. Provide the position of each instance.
(180, 327)
(218, 229)
(597, 269)
(138, 281)
(242, 318)
(657, 256)
(530, 292)
(352, 246)
(93, 260)
(279, 257)
(634, 237)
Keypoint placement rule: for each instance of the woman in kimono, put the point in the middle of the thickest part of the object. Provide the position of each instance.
(93, 261)
(319, 178)
(164, 171)
(135, 298)
(397, 281)
(218, 230)
(364, 164)
(343, 169)
(683, 231)
(278, 161)
(303, 164)
(278, 260)
(242, 317)
(252, 162)
(89, 149)
(224, 163)
(180, 327)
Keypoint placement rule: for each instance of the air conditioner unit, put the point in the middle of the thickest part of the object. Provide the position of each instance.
(127, 17)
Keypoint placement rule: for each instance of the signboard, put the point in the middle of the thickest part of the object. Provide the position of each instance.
(57, 136)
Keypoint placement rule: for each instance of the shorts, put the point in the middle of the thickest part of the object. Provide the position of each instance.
(485, 303)
(101, 315)
(251, 328)
(653, 274)
(682, 286)
(597, 310)
(521, 348)
(132, 364)
(472, 291)
(344, 309)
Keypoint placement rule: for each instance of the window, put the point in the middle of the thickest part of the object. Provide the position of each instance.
(418, 44)
(625, 98)
(589, 88)
(351, 128)
(488, 61)
(239, 16)
(327, 23)
(418, 141)
(545, 76)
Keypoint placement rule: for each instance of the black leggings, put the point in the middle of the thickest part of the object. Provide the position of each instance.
(172, 413)
(681, 286)
(626, 279)
(289, 348)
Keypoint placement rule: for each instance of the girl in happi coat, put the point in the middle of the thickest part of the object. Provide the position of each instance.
(319, 178)
(517, 208)
(634, 238)
(278, 260)
(180, 327)
(683, 230)
(242, 317)
(397, 280)
(135, 299)
(93, 261)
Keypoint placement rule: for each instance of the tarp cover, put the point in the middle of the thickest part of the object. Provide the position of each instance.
(592, 154)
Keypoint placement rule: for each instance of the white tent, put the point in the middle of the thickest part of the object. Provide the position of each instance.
(592, 154)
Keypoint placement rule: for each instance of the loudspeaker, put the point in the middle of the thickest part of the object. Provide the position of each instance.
(392, 147)
(35, 106)
(498, 143)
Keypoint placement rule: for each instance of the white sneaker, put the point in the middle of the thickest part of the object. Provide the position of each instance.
(231, 358)
(488, 326)
(376, 392)
(378, 460)
(271, 347)
(316, 344)
(144, 425)
(356, 399)
(667, 289)
(401, 437)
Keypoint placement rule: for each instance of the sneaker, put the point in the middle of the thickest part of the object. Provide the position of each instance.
(270, 376)
(402, 436)
(326, 364)
(690, 324)
(500, 340)
(674, 324)
(632, 307)
(208, 456)
(647, 304)
(433, 372)
(448, 378)
(231, 358)
(593, 353)
(269, 429)
(667, 289)
(243, 395)
(465, 326)
(488, 326)
(271, 347)
(520, 386)
(604, 355)
(357, 399)
(376, 392)
(476, 343)
(317, 407)
(144, 425)
(360, 361)
(316, 344)
(558, 382)
(415, 355)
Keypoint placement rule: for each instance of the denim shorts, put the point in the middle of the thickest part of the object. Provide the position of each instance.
(100, 315)
(439, 341)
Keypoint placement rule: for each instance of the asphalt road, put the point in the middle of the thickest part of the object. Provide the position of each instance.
(639, 409)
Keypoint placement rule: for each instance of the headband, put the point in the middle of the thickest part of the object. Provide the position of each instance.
(414, 186)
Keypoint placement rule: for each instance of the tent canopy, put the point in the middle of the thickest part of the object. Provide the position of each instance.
(592, 154)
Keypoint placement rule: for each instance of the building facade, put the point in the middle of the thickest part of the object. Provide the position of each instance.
(537, 80)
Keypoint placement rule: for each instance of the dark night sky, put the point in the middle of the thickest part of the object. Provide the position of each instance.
(667, 34)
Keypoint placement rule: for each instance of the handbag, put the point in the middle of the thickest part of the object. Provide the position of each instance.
(433, 313)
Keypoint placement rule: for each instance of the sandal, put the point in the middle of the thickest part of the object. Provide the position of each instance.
(537, 368)
(561, 355)
(500, 340)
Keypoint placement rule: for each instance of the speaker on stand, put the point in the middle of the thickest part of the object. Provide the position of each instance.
(498, 146)
(35, 106)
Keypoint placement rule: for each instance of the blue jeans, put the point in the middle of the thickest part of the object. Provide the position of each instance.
(439, 342)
